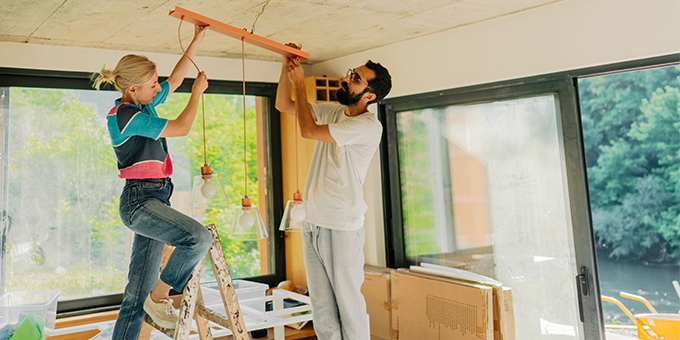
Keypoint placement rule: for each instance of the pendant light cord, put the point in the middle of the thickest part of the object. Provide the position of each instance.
(297, 174)
(252, 29)
(184, 53)
(243, 72)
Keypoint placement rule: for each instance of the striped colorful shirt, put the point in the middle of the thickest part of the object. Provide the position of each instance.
(135, 132)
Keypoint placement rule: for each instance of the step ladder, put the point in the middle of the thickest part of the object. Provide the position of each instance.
(192, 306)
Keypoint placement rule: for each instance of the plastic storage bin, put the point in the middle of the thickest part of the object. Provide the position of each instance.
(42, 305)
(245, 290)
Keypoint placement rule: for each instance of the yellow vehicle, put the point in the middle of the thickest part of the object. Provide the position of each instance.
(650, 326)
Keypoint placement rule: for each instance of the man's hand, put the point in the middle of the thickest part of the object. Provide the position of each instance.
(295, 73)
(287, 59)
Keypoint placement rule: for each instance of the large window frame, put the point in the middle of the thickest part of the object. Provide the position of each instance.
(14, 77)
(562, 83)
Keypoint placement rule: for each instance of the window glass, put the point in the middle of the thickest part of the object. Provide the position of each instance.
(62, 186)
(483, 188)
(631, 133)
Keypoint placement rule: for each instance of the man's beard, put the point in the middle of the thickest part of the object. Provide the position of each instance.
(346, 98)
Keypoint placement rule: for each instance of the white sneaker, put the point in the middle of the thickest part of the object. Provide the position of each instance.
(162, 313)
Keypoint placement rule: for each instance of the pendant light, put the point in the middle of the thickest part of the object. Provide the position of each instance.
(207, 188)
(295, 213)
(246, 224)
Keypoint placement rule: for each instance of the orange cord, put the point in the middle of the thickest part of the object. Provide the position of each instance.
(184, 53)
(297, 174)
(243, 71)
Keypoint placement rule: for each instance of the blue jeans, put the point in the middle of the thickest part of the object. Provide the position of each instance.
(334, 260)
(145, 209)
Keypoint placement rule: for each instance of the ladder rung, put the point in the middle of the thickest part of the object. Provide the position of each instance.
(213, 316)
(166, 331)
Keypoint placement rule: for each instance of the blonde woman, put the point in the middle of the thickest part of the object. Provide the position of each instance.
(138, 138)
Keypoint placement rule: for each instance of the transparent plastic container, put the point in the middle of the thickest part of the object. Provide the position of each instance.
(41, 305)
(245, 290)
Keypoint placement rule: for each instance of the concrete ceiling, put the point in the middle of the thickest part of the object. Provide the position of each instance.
(327, 28)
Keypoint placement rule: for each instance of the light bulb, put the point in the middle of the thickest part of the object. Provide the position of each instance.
(298, 213)
(246, 220)
(208, 189)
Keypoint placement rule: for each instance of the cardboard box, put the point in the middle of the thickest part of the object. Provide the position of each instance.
(376, 290)
(507, 315)
(503, 315)
(427, 307)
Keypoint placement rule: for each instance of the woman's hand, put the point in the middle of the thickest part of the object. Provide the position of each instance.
(200, 84)
(199, 32)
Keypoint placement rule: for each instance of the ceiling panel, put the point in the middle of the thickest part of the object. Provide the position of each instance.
(327, 28)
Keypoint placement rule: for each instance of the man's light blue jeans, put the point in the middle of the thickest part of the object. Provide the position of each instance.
(145, 209)
(334, 260)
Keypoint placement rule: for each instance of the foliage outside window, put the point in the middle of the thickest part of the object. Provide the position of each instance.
(64, 228)
(631, 133)
(631, 128)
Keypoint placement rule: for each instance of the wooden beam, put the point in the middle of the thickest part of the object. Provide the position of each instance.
(220, 27)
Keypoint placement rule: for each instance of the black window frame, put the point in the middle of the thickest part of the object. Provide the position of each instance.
(32, 78)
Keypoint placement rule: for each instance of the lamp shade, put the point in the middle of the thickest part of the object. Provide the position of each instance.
(247, 224)
(207, 192)
(294, 216)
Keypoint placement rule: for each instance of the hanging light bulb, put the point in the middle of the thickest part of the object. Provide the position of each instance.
(246, 224)
(298, 213)
(294, 215)
(208, 189)
(246, 220)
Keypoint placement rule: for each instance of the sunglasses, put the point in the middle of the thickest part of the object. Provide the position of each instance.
(356, 78)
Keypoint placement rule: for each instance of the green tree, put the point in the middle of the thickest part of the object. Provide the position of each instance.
(629, 229)
(630, 128)
(658, 133)
(610, 104)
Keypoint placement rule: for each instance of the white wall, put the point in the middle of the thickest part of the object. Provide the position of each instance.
(567, 35)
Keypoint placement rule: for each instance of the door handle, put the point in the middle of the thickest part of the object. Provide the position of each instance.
(582, 285)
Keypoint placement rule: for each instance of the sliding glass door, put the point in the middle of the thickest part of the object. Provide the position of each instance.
(492, 181)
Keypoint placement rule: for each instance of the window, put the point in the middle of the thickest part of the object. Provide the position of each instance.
(496, 178)
(482, 187)
(632, 142)
(61, 187)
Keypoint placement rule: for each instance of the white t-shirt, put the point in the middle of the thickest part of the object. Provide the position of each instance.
(334, 197)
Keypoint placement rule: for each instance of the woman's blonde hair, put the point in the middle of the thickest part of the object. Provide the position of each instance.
(132, 70)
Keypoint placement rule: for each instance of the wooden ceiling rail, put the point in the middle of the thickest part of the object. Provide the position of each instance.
(237, 33)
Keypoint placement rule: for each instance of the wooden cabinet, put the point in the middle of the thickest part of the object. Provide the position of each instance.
(322, 89)
(318, 89)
